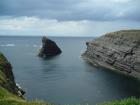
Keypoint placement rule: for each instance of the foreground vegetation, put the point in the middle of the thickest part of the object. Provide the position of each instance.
(7, 98)
(128, 101)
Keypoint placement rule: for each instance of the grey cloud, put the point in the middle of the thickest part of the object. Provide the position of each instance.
(72, 9)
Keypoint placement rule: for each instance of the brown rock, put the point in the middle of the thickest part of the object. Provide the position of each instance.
(119, 51)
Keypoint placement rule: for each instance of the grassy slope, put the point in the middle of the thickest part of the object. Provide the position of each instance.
(7, 98)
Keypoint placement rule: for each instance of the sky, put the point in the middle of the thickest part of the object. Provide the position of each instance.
(67, 17)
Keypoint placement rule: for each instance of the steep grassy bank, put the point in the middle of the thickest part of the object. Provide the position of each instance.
(9, 92)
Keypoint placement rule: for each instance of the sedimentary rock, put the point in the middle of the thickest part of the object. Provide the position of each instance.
(119, 51)
(49, 48)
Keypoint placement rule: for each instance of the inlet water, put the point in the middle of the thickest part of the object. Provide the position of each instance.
(64, 79)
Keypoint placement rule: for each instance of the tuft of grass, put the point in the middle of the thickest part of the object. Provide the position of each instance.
(127, 101)
(7, 98)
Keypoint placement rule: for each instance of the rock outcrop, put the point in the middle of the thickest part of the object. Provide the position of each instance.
(119, 51)
(7, 80)
(49, 48)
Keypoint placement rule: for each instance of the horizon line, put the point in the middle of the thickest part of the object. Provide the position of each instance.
(42, 36)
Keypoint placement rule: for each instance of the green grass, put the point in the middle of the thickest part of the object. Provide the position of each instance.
(3, 61)
(128, 101)
(7, 98)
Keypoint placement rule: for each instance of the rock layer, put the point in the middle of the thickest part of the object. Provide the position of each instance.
(49, 48)
(119, 51)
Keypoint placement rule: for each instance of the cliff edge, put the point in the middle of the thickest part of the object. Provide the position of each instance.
(10, 93)
(119, 51)
(7, 80)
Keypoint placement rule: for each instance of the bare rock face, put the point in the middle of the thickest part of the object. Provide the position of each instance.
(49, 48)
(119, 51)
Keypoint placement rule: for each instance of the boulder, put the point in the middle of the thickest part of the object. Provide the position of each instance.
(49, 48)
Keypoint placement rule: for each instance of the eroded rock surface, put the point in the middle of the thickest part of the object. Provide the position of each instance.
(118, 51)
(49, 48)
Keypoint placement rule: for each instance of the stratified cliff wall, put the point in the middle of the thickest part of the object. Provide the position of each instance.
(119, 51)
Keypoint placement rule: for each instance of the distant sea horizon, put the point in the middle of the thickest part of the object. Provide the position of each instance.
(45, 35)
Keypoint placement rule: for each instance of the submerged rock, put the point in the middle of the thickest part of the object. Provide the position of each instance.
(49, 48)
(119, 51)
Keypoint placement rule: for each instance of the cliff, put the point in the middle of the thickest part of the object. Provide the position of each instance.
(10, 94)
(7, 80)
(119, 51)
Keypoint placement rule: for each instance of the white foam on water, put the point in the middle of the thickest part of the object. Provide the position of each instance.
(35, 46)
(8, 45)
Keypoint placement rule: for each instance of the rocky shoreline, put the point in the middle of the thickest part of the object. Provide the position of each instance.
(118, 51)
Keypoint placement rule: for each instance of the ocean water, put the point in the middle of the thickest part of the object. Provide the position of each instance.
(64, 79)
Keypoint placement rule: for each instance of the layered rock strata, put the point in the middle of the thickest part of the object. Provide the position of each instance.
(119, 51)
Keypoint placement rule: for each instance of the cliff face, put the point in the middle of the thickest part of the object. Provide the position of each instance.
(7, 78)
(118, 51)
(10, 94)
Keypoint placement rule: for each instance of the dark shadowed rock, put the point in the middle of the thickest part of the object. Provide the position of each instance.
(49, 48)
(119, 51)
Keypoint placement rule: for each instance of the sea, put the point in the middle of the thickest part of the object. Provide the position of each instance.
(65, 79)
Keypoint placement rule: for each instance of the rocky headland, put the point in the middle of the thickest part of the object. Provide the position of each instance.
(49, 48)
(118, 51)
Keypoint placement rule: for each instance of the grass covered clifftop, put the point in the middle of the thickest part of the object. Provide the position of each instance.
(9, 92)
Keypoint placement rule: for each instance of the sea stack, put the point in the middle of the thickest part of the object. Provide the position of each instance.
(49, 48)
(119, 51)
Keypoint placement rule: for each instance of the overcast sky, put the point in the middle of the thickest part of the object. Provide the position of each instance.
(67, 17)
